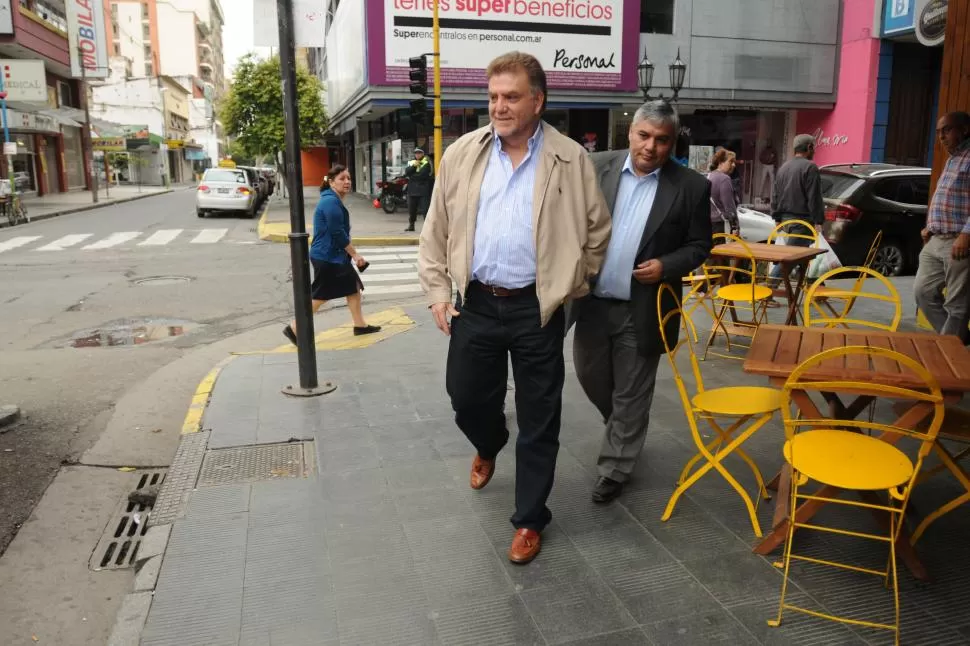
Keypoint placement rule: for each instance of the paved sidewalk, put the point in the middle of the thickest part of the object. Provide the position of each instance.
(378, 540)
(55, 204)
(370, 226)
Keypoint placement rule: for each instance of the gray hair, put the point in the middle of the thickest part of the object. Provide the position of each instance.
(658, 112)
(802, 143)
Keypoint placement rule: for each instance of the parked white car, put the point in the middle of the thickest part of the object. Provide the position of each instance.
(755, 225)
(225, 189)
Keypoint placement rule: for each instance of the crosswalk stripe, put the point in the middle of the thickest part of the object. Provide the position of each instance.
(377, 268)
(160, 237)
(19, 241)
(64, 242)
(391, 289)
(387, 278)
(208, 236)
(388, 257)
(113, 240)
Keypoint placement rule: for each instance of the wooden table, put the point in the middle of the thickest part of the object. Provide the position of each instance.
(777, 350)
(789, 256)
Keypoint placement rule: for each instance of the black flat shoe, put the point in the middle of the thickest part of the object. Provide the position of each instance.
(367, 329)
(606, 490)
(290, 334)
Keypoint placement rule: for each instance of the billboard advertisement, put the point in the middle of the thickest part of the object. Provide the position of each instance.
(86, 39)
(581, 44)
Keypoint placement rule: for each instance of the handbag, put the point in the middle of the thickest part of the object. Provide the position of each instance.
(823, 263)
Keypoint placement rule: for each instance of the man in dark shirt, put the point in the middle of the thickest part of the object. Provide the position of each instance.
(797, 195)
(418, 173)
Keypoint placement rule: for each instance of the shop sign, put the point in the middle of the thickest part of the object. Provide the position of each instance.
(109, 144)
(24, 80)
(897, 17)
(174, 144)
(17, 120)
(930, 21)
(821, 139)
(10, 148)
(6, 17)
(581, 44)
(85, 38)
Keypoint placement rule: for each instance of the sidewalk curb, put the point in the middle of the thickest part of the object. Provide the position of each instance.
(193, 418)
(131, 617)
(92, 206)
(279, 232)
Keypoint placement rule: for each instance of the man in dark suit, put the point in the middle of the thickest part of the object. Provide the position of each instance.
(661, 231)
(418, 172)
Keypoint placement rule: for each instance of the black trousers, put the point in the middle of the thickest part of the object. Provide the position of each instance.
(489, 330)
(417, 205)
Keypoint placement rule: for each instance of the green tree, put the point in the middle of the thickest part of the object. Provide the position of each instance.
(240, 154)
(252, 112)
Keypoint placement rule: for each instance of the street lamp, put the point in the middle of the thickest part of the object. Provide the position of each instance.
(678, 72)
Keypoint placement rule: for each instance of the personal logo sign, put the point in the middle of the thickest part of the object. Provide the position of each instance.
(931, 21)
(578, 42)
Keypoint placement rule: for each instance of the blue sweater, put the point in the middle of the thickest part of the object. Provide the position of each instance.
(331, 229)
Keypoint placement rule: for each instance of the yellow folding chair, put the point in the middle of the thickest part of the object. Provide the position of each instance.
(731, 297)
(819, 293)
(739, 404)
(701, 284)
(822, 295)
(824, 451)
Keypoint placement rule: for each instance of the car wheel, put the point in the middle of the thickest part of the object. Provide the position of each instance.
(890, 259)
(200, 213)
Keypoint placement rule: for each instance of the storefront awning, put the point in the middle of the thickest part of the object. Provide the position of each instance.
(65, 116)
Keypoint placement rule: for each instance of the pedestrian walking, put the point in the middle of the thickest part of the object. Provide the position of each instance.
(517, 222)
(944, 262)
(661, 231)
(418, 172)
(797, 195)
(333, 256)
(724, 198)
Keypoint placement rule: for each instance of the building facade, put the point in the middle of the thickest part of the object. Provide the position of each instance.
(44, 100)
(748, 71)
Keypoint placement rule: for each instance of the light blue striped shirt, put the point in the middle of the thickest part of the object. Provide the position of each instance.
(634, 199)
(505, 253)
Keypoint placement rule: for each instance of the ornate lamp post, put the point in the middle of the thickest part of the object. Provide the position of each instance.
(645, 69)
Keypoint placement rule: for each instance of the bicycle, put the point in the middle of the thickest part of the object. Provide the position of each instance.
(16, 210)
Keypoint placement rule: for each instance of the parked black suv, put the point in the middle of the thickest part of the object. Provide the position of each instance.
(861, 199)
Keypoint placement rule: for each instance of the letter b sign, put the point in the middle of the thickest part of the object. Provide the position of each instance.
(86, 32)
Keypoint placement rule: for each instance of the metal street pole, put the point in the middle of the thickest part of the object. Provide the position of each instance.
(6, 136)
(299, 240)
(89, 145)
(436, 35)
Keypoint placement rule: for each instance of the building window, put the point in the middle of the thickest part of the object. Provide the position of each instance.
(144, 11)
(148, 52)
(656, 16)
(148, 69)
(117, 49)
(114, 28)
(146, 31)
(64, 96)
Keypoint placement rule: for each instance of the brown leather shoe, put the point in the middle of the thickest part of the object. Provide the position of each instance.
(482, 471)
(525, 546)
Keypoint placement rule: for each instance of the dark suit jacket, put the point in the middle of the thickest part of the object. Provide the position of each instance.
(678, 234)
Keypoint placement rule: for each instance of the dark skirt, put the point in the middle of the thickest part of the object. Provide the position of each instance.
(332, 280)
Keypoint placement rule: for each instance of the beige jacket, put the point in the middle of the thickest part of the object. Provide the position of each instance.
(570, 220)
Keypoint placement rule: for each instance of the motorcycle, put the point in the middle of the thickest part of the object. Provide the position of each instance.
(394, 193)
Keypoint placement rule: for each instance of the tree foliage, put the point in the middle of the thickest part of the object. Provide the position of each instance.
(252, 112)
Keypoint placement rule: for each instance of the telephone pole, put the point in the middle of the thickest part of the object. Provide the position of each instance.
(436, 35)
(88, 143)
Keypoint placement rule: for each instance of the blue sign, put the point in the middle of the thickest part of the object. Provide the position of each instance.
(897, 17)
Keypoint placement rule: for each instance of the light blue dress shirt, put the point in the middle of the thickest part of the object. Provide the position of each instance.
(505, 253)
(634, 199)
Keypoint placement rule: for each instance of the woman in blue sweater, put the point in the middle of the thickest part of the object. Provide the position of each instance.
(333, 256)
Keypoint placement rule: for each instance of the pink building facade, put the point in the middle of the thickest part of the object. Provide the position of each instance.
(845, 133)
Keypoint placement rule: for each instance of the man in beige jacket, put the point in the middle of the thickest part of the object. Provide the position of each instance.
(518, 224)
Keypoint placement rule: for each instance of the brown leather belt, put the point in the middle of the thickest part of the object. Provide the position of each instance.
(503, 292)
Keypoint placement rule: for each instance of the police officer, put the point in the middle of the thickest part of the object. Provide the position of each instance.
(418, 173)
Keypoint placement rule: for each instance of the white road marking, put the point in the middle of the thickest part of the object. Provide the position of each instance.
(66, 241)
(390, 289)
(160, 237)
(208, 236)
(19, 241)
(112, 240)
(409, 249)
(387, 278)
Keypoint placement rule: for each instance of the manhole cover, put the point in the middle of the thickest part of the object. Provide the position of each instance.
(128, 332)
(118, 547)
(162, 280)
(252, 463)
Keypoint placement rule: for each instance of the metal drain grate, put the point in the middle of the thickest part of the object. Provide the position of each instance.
(118, 547)
(252, 463)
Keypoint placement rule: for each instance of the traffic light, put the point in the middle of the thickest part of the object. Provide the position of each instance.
(419, 112)
(418, 75)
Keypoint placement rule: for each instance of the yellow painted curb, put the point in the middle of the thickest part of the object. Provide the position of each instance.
(193, 419)
(279, 232)
(385, 241)
(393, 321)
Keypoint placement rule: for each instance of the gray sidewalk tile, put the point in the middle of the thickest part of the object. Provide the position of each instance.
(621, 549)
(796, 629)
(695, 536)
(399, 629)
(709, 628)
(431, 504)
(748, 578)
(356, 486)
(279, 609)
(629, 637)
(666, 591)
(222, 533)
(579, 610)
(501, 621)
(206, 502)
(561, 563)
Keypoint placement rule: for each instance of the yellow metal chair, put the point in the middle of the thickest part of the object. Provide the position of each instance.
(824, 451)
(733, 296)
(701, 284)
(818, 294)
(737, 404)
(822, 295)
